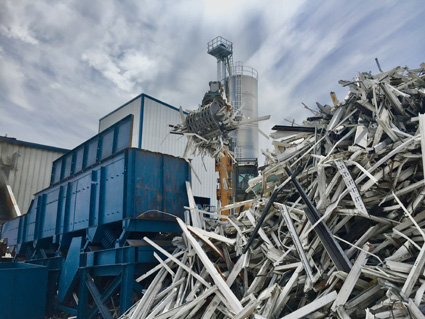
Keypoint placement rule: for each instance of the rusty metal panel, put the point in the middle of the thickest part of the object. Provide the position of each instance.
(158, 185)
(155, 128)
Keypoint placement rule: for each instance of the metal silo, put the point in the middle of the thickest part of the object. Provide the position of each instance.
(241, 86)
(242, 92)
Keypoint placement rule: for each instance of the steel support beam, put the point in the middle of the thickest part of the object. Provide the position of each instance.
(83, 295)
(96, 297)
(106, 295)
(261, 219)
(331, 245)
(127, 286)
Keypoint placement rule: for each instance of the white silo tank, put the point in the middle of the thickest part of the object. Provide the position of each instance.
(242, 92)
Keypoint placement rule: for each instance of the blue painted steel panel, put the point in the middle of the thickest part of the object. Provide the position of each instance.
(59, 229)
(49, 213)
(142, 111)
(56, 172)
(175, 194)
(149, 184)
(122, 136)
(113, 200)
(130, 183)
(94, 198)
(39, 220)
(107, 144)
(68, 224)
(29, 227)
(23, 291)
(82, 201)
(121, 256)
(112, 140)
(11, 231)
(78, 160)
(158, 186)
(66, 169)
(70, 268)
(98, 206)
(91, 152)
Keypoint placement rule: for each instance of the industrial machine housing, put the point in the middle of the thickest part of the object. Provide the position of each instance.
(151, 131)
(86, 227)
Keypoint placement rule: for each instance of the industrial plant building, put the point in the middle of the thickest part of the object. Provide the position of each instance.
(151, 131)
(25, 169)
(84, 216)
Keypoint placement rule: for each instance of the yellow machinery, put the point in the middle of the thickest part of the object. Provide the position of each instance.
(224, 167)
(208, 131)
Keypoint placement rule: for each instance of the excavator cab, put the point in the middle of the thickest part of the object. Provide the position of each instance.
(244, 170)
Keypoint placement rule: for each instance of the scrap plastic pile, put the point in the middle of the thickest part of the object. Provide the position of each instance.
(207, 128)
(336, 230)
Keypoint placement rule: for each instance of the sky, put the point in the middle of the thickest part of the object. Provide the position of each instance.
(65, 64)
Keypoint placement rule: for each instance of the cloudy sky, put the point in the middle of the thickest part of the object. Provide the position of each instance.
(65, 64)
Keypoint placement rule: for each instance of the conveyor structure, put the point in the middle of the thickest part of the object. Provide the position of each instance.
(86, 227)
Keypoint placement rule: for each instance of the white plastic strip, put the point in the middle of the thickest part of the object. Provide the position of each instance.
(363, 170)
(228, 294)
(313, 306)
(351, 185)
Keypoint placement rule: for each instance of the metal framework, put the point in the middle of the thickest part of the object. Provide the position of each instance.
(85, 227)
(222, 50)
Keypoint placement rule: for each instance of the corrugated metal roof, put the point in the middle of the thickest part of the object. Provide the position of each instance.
(12, 140)
(143, 95)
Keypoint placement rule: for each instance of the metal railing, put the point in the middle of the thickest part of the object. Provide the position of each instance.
(219, 41)
(240, 69)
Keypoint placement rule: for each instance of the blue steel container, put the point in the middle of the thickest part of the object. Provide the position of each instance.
(23, 291)
(131, 183)
(99, 147)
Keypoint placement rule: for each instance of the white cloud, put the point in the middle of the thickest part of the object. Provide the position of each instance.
(135, 63)
(125, 72)
(19, 32)
(104, 64)
(14, 85)
(159, 48)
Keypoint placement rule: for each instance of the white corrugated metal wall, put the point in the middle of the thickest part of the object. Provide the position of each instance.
(156, 137)
(157, 116)
(132, 107)
(155, 129)
(32, 171)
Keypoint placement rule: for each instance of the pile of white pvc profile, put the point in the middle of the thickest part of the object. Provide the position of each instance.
(336, 229)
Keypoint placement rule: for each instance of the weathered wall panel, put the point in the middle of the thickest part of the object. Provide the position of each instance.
(132, 107)
(155, 129)
(28, 169)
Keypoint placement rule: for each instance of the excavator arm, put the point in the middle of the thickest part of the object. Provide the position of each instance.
(208, 130)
